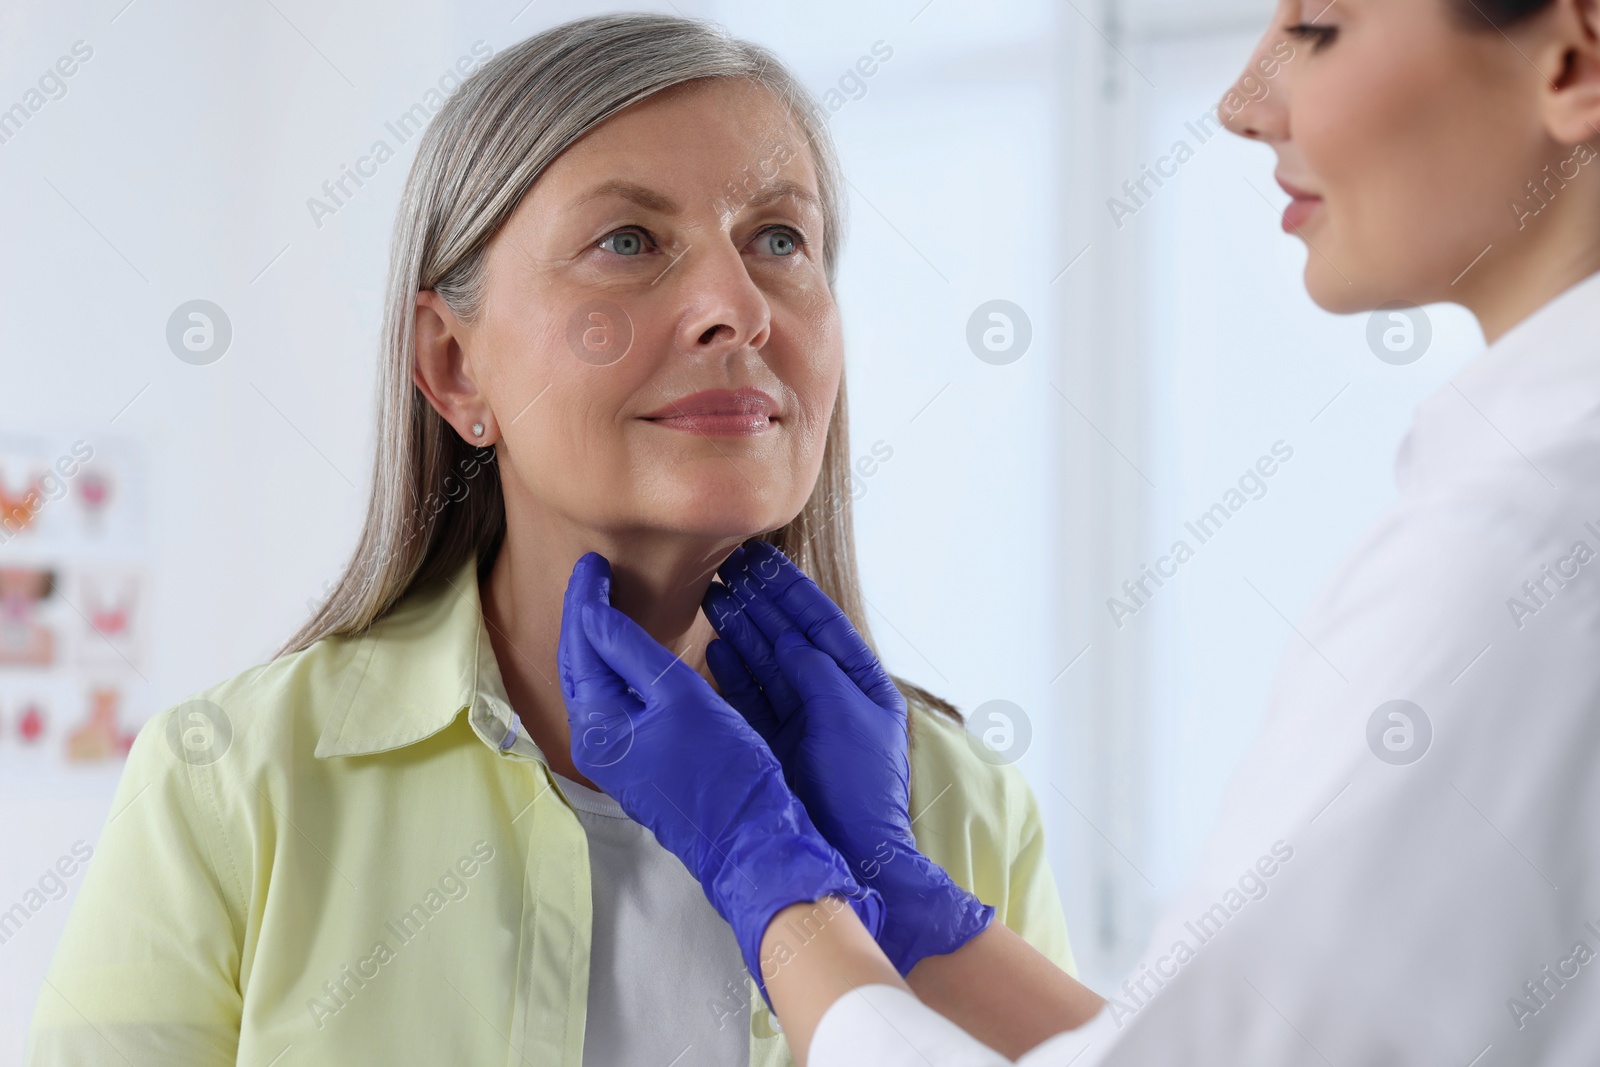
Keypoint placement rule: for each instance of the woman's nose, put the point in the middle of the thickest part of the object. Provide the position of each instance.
(724, 308)
(1255, 106)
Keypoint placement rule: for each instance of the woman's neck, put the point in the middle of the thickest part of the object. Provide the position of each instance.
(658, 581)
(1531, 271)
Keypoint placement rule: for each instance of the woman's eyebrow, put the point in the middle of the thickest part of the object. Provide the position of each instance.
(638, 194)
(647, 198)
(779, 190)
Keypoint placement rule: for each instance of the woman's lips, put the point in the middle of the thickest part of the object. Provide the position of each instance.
(718, 413)
(1301, 208)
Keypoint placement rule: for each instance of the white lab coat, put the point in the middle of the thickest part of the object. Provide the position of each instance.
(1353, 910)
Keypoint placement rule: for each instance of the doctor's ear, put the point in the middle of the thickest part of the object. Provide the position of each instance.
(1570, 60)
(444, 372)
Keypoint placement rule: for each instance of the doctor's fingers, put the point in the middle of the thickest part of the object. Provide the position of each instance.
(590, 582)
(588, 683)
(739, 688)
(782, 598)
(643, 664)
(732, 621)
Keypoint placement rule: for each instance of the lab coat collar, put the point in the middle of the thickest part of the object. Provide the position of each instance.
(418, 668)
(1526, 391)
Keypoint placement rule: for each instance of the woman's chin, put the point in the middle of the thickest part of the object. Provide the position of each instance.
(722, 517)
(728, 498)
(1335, 292)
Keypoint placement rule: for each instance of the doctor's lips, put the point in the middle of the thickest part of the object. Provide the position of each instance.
(1300, 209)
(718, 413)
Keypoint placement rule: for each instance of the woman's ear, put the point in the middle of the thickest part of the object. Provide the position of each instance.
(444, 373)
(1570, 105)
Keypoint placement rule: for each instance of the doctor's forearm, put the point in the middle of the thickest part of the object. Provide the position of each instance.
(1003, 991)
(804, 981)
(996, 987)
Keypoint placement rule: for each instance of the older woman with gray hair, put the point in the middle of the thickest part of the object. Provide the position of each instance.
(610, 326)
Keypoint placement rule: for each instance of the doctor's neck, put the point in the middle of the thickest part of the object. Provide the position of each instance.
(1531, 275)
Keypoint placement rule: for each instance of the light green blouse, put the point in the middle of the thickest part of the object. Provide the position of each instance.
(331, 859)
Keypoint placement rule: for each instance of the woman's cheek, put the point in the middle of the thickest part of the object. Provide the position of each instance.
(814, 383)
(821, 356)
(814, 435)
(547, 418)
(523, 358)
(1320, 123)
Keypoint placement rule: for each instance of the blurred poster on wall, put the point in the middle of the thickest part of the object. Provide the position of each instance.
(74, 599)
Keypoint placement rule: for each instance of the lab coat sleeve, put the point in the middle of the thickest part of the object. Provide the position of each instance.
(888, 1027)
(146, 970)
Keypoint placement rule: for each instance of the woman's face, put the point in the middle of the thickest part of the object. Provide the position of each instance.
(1403, 137)
(659, 347)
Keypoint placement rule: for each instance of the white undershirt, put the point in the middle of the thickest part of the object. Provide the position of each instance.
(667, 983)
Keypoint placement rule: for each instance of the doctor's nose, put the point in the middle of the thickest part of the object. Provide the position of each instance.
(1256, 104)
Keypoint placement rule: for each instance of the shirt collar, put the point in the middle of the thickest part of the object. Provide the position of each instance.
(418, 668)
(1527, 391)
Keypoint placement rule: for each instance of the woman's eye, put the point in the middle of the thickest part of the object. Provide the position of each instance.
(1319, 36)
(779, 242)
(625, 243)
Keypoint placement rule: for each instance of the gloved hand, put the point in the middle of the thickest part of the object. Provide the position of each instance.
(793, 664)
(654, 735)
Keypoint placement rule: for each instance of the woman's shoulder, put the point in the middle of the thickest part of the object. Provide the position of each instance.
(975, 815)
(191, 789)
(960, 784)
(261, 714)
(322, 667)
(403, 678)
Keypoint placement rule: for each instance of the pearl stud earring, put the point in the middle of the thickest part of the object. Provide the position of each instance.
(477, 429)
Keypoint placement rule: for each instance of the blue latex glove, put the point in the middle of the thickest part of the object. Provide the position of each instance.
(653, 734)
(793, 664)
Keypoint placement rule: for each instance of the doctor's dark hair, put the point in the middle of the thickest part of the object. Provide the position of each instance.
(436, 500)
(1496, 14)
